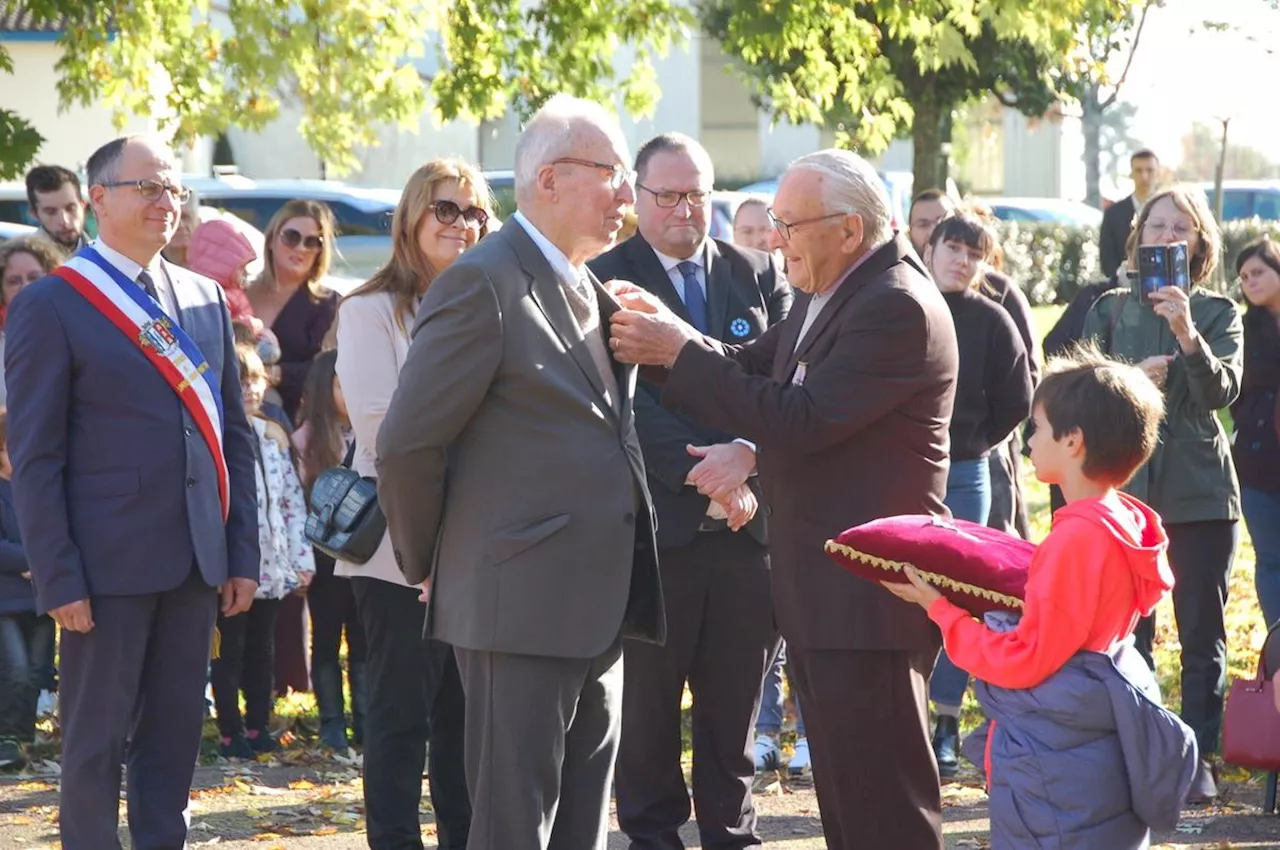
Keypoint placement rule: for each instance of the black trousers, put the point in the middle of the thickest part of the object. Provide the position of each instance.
(332, 604)
(415, 695)
(1201, 555)
(720, 639)
(246, 663)
(866, 715)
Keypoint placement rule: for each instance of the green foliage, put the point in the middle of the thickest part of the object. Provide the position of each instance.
(1052, 261)
(19, 142)
(200, 67)
(864, 66)
(500, 54)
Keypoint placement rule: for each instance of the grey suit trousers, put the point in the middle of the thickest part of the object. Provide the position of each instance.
(541, 739)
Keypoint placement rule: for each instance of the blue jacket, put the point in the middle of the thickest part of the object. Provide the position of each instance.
(17, 594)
(1086, 760)
(116, 491)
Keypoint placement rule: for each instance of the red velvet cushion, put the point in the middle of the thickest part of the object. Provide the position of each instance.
(978, 568)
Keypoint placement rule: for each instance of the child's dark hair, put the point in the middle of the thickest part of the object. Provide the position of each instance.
(968, 229)
(4, 428)
(324, 447)
(1114, 405)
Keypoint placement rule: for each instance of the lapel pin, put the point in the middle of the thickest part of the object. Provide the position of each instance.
(739, 327)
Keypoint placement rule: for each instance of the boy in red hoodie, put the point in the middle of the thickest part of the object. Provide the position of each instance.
(1101, 568)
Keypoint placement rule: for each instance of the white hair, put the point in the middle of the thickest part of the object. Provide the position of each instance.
(551, 132)
(850, 184)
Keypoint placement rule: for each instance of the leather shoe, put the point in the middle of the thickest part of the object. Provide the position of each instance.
(946, 745)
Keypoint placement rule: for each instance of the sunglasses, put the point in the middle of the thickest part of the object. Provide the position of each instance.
(447, 212)
(292, 239)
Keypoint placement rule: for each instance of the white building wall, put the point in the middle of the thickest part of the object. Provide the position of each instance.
(32, 92)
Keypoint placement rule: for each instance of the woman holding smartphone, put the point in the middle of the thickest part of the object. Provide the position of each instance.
(1189, 341)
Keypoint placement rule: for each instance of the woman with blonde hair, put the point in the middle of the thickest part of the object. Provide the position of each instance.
(415, 694)
(290, 297)
(1189, 342)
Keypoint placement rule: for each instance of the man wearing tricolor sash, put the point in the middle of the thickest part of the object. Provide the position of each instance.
(134, 484)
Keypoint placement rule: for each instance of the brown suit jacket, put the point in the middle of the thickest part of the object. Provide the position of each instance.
(504, 474)
(864, 436)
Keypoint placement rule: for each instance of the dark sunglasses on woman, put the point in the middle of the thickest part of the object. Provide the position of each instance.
(292, 239)
(447, 212)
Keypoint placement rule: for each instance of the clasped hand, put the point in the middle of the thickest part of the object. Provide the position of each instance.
(645, 331)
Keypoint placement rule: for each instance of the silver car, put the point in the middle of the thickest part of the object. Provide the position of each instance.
(363, 215)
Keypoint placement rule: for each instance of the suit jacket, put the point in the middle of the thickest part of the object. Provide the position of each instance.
(506, 476)
(863, 436)
(745, 295)
(1117, 222)
(115, 488)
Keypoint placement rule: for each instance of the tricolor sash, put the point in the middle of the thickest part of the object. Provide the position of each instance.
(162, 341)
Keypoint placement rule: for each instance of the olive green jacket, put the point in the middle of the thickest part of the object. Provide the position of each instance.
(1190, 478)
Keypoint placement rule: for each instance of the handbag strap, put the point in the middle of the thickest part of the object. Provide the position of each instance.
(351, 454)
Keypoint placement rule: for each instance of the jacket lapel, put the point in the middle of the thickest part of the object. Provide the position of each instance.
(881, 259)
(719, 283)
(624, 374)
(546, 290)
(652, 276)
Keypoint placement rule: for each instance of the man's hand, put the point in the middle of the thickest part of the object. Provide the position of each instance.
(237, 595)
(740, 506)
(74, 616)
(916, 589)
(647, 333)
(1157, 368)
(724, 468)
(425, 596)
(27, 576)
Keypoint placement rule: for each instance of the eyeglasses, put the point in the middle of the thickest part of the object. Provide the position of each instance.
(784, 228)
(618, 174)
(153, 190)
(447, 212)
(1180, 229)
(668, 200)
(292, 239)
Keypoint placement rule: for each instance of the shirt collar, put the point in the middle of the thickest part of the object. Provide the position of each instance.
(669, 263)
(847, 272)
(130, 268)
(559, 262)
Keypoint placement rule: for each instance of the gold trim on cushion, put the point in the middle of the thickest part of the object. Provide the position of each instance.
(935, 579)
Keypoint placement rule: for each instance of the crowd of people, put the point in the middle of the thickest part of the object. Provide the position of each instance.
(588, 451)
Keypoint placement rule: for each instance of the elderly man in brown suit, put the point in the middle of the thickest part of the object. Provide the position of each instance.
(510, 472)
(849, 401)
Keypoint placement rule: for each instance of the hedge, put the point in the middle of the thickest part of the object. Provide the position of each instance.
(1052, 261)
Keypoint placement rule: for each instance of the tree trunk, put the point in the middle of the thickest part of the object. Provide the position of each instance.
(929, 164)
(1091, 124)
(1220, 172)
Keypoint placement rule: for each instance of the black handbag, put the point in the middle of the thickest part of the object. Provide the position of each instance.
(345, 521)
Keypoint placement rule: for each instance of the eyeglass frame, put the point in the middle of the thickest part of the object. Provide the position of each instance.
(1171, 227)
(620, 174)
(180, 194)
(784, 228)
(479, 222)
(680, 196)
(302, 240)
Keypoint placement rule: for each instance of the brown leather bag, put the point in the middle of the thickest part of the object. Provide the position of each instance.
(1251, 723)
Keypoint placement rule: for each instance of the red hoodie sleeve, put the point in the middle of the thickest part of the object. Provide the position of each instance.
(1062, 599)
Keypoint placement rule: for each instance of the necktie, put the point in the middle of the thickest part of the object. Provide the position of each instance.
(145, 281)
(694, 301)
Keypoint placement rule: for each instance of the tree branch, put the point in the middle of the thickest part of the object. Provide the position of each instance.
(1133, 49)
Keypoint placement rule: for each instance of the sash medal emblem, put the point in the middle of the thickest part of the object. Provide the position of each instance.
(164, 344)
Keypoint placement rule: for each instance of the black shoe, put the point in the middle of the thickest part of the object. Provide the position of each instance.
(236, 748)
(11, 755)
(946, 745)
(262, 742)
(333, 734)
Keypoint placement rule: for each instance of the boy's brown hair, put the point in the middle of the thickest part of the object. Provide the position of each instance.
(1114, 405)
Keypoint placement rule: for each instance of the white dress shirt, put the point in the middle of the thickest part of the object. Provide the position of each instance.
(131, 270)
(672, 267)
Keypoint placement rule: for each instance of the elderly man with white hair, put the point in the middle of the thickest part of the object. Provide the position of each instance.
(512, 482)
(848, 401)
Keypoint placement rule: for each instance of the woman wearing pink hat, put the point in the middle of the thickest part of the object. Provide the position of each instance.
(218, 250)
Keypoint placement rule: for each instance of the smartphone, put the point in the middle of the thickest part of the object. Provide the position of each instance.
(1163, 265)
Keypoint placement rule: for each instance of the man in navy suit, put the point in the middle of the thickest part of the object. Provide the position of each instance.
(134, 484)
(712, 555)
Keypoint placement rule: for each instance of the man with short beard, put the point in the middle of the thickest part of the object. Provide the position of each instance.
(54, 195)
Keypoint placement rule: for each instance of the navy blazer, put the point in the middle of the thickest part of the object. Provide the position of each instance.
(115, 489)
(746, 294)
